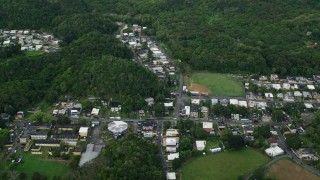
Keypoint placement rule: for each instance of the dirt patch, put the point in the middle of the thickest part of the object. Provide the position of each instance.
(285, 169)
(200, 88)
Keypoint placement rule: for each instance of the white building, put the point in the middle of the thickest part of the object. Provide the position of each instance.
(311, 87)
(274, 151)
(201, 145)
(172, 156)
(95, 112)
(171, 176)
(234, 102)
(83, 131)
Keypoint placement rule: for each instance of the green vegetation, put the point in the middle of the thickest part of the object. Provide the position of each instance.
(218, 84)
(37, 163)
(33, 53)
(128, 158)
(214, 166)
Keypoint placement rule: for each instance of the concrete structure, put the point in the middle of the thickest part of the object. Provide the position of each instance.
(274, 151)
(118, 128)
(83, 131)
(201, 145)
(171, 176)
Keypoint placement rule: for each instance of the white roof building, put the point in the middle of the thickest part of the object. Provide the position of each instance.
(83, 131)
(172, 141)
(200, 145)
(187, 109)
(286, 86)
(117, 127)
(276, 86)
(170, 104)
(214, 102)
(297, 94)
(308, 105)
(268, 95)
(172, 132)
(243, 103)
(171, 176)
(195, 101)
(234, 102)
(274, 151)
(311, 87)
(95, 112)
(173, 156)
(207, 125)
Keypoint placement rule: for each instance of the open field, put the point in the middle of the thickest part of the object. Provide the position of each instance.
(215, 84)
(225, 165)
(36, 163)
(286, 169)
(33, 53)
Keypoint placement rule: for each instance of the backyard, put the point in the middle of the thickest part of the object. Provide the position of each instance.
(38, 163)
(286, 169)
(224, 165)
(215, 84)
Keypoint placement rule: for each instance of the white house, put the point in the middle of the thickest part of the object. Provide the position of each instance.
(195, 101)
(276, 86)
(311, 87)
(234, 102)
(200, 145)
(171, 176)
(95, 112)
(172, 156)
(243, 103)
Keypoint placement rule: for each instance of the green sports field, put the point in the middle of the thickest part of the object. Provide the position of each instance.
(218, 84)
(37, 163)
(223, 166)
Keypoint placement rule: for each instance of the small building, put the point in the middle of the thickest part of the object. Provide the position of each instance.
(205, 112)
(214, 102)
(207, 126)
(195, 101)
(171, 176)
(297, 94)
(276, 86)
(201, 145)
(84, 131)
(268, 95)
(306, 154)
(115, 107)
(172, 133)
(311, 87)
(194, 112)
(172, 156)
(234, 102)
(243, 104)
(95, 112)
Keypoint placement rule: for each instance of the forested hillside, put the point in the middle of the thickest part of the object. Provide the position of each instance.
(92, 61)
(255, 36)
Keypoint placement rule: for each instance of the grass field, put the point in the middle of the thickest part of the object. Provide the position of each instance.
(216, 84)
(36, 163)
(33, 53)
(225, 165)
(286, 169)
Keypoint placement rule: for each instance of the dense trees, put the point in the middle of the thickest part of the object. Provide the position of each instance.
(232, 36)
(4, 137)
(127, 158)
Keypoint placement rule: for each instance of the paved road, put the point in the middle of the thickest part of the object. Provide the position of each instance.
(179, 97)
(294, 157)
(163, 160)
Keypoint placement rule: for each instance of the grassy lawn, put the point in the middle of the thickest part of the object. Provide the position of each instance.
(33, 53)
(211, 143)
(218, 84)
(225, 165)
(286, 169)
(37, 163)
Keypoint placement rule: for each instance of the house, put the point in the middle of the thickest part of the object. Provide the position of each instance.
(172, 156)
(171, 176)
(214, 102)
(141, 112)
(205, 112)
(172, 133)
(272, 141)
(20, 115)
(234, 102)
(118, 128)
(308, 105)
(297, 94)
(263, 78)
(224, 102)
(194, 112)
(195, 101)
(243, 104)
(95, 112)
(187, 110)
(201, 145)
(148, 125)
(150, 101)
(207, 126)
(83, 131)
(274, 151)
(306, 154)
(248, 129)
(261, 105)
(115, 107)
(169, 104)
(268, 95)
(280, 95)
(286, 86)
(221, 125)
(306, 94)
(311, 87)
(47, 143)
(276, 86)
(288, 97)
(274, 77)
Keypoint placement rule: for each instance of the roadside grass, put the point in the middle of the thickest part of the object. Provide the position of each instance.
(33, 53)
(226, 165)
(286, 169)
(37, 163)
(218, 84)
